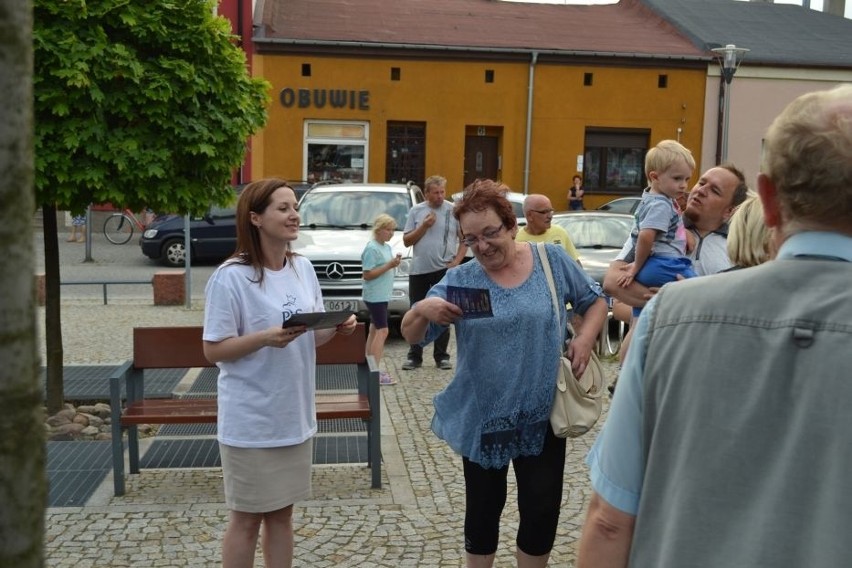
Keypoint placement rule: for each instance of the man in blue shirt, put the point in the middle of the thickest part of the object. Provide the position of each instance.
(726, 443)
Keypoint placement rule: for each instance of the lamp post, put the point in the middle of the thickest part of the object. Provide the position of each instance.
(729, 58)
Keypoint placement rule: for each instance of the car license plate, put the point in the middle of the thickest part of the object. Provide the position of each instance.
(340, 305)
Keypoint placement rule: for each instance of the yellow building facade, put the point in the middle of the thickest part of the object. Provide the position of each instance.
(386, 119)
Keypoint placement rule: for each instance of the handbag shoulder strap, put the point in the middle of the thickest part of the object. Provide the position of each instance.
(548, 273)
(545, 264)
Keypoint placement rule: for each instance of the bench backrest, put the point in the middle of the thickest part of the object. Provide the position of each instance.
(177, 347)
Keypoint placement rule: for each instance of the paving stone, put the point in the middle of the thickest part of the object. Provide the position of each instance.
(177, 517)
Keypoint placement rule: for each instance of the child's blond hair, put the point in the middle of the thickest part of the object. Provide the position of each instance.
(666, 154)
(383, 221)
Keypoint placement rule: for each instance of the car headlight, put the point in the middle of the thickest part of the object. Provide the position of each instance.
(403, 269)
(150, 233)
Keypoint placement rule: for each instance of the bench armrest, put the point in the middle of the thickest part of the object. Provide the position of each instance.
(118, 375)
(375, 427)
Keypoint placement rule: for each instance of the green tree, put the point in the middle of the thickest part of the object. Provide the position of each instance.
(23, 486)
(139, 104)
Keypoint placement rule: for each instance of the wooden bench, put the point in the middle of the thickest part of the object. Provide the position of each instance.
(182, 347)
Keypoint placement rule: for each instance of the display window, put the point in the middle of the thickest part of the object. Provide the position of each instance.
(336, 151)
(614, 160)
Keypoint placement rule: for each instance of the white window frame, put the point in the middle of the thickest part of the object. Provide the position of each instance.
(363, 142)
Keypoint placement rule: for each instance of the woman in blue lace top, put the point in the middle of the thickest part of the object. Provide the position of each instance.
(496, 408)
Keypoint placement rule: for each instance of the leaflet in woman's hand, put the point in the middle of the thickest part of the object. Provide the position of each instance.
(474, 302)
(316, 320)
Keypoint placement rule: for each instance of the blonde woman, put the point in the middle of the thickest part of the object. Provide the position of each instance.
(378, 262)
(750, 241)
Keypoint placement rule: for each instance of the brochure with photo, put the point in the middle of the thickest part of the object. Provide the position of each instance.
(474, 302)
(317, 320)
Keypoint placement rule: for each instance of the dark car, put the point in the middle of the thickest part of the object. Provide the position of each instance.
(213, 236)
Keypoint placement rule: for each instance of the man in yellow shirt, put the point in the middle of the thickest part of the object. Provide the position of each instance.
(539, 214)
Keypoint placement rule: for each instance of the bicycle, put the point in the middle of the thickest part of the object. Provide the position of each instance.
(119, 227)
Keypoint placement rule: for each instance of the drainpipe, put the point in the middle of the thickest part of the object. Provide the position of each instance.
(530, 93)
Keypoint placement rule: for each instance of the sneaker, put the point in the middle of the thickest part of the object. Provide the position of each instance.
(411, 364)
(385, 379)
(444, 364)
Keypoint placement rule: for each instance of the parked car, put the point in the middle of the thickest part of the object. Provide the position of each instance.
(337, 221)
(598, 237)
(213, 236)
(621, 205)
(516, 199)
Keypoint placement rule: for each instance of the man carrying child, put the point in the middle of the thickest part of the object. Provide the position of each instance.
(658, 241)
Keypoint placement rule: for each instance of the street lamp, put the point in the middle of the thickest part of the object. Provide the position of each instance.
(729, 58)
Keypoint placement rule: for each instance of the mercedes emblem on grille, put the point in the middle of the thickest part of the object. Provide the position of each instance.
(334, 271)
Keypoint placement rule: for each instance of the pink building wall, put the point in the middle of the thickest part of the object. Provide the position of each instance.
(758, 95)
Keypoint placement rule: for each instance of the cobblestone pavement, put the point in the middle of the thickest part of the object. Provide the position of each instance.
(176, 517)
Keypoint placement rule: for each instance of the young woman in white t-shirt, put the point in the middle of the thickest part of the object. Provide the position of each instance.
(266, 384)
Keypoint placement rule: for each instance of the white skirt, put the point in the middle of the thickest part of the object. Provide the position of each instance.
(261, 480)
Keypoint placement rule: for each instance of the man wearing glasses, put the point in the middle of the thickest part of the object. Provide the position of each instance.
(539, 229)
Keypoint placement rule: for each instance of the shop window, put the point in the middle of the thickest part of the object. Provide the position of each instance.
(306, 69)
(614, 160)
(489, 75)
(395, 73)
(406, 152)
(336, 151)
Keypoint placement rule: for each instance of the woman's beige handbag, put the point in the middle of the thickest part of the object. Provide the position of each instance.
(577, 404)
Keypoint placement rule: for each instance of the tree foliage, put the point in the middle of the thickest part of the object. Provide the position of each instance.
(140, 104)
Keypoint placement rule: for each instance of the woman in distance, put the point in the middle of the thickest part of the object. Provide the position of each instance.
(496, 408)
(266, 384)
(575, 194)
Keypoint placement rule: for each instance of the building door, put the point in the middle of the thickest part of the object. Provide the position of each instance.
(406, 157)
(480, 158)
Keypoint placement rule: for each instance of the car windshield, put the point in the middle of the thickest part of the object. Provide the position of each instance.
(352, 209)
(595, 232)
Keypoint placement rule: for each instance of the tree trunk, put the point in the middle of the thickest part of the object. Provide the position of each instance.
(23, 486)
(52, 313)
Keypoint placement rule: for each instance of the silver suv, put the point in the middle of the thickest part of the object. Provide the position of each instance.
(337, 222)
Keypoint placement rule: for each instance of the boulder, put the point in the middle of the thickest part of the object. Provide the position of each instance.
(81, 419)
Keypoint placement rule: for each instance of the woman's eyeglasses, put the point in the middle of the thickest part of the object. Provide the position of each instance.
(487, 235)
